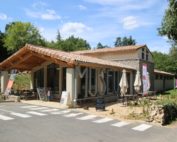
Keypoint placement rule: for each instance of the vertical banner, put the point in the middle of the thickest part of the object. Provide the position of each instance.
(10, 82)
(145, 81)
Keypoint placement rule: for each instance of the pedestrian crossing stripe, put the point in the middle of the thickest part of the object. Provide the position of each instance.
(103, 120)
(72, 114)
(36, 113)
(20, 115)
(3, 117)
(120, 124)
(29, 106)
(38, 108)
(142, 127)
(49, 110)
(61, 112)
(88, 117)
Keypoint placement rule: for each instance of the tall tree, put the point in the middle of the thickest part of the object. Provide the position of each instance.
(58, 36)
(99, 45)
(3, 51)
(124, 41)
(168, 64)
(17, 34)
(72, 44)
(169, 23)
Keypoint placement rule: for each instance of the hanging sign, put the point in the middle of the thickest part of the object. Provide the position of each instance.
(10, 82)
(145, 78)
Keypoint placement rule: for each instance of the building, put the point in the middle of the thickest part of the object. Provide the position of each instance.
(85, 74)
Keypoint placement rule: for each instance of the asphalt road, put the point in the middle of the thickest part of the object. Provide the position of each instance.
(20, 123)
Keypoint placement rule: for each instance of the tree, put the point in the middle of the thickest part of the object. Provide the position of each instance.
(58, 36)
(99, 46)
(72, 44)
(168, 64)
(3, 51)
(169, 23)
(17, 34)
(124, 41)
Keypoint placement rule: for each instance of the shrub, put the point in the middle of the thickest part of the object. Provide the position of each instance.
(170, 113)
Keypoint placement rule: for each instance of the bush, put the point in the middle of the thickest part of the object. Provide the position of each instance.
(170, 113)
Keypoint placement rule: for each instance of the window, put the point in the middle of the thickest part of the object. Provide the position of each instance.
(147, 55)
(53, 77)
(143, 53)
(39, 78)
(157, 76)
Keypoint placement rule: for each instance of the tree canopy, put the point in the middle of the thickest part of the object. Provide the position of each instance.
(124, 41)
(165, 62)
(17, 34)
(169, 23)
(3, 51)
(72, 44)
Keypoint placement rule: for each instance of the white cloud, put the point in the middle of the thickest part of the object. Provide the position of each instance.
(132, 22)
(3, 16)
(39, 4)
(48, 33)
(82, 7)
(48, 14)
(74, 28)
(126, 4)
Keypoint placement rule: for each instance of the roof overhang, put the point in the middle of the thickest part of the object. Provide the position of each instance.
(31, 56)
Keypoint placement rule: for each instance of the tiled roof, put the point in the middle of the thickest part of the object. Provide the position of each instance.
(73, 58)
(115, 49)
(163, 72)
(67, 57)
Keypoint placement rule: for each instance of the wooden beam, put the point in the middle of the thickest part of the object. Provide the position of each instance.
(21, 59)
(54, 60)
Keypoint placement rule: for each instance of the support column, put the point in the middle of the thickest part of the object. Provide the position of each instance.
(70, 84)
(4, 80)
(32, 81)
(131, 83)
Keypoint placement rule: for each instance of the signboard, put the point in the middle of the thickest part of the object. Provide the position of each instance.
(10, 82)
(176, 83)
(145, 78)
(64, 98)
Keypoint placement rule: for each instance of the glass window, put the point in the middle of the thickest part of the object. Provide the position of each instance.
(147, 55)
(39, 78)
(53, 77)
(143, 53)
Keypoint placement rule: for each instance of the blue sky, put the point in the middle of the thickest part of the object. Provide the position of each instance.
(94, 20)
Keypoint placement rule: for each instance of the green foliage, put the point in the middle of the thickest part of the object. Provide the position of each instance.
(100, 46)
(170, 113)
(22, 82)
(72, 44)
(17, 34)
(169, 24)
(124, 41)
(3, 51)
(164, 62)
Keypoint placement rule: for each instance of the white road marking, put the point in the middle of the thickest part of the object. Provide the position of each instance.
(72, 114)
(103, 120)
(120, 124)
(3, 117)
(142, 127)
(29, 106)
(20, 115)
(36, 113)
(49, 110)
(38, 108)
(61, 112)
(88, 117)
